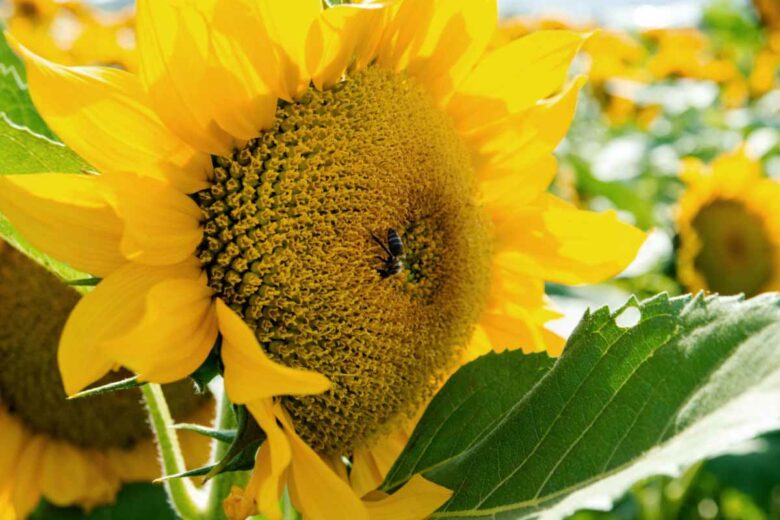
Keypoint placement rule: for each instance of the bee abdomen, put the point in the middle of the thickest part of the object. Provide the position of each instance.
(394, 242)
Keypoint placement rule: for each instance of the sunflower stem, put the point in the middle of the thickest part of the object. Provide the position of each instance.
(222, 484)
(185, 498)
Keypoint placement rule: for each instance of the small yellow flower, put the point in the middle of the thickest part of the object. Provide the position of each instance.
(69, 452)
(682, 53)
(729, 225)
(614, 54)
(763, 77)
(243, 172)
(74, 33)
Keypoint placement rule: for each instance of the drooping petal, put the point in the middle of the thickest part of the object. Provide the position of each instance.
(288, 24)
(272, 462)
(416, 499)
(111, 310)
(514, 77)
(339, 35)
(316, 490)
(175, 334)
(552, 240)
(456, 38)
(103, 114)
(65, 216)
(370, 465)
(365, 475)
(250, 375)
(161, 224)
(174, 48)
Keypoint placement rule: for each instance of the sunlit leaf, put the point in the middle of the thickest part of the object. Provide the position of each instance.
(693, 377)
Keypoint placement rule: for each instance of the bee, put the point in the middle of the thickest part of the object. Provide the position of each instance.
(394, 248)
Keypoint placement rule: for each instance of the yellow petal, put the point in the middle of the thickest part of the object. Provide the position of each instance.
(526, 138)
(316, 490)
(89, 482)
(456, 38)
(103, 114)
(418, 498)
(337, 37)
(175, 334)
(161, 224)
(27, 486)
(272, 462)
(111, 310)
(174, 47)
(250, 375)
(554, 241)
(513, 331)
(365, 475)
(14, 437)
(404, 33)
(140, 463)
(245, 70)
(514, 77)
(371, 465)
(288, 24)
(65, 216)
(509, 187)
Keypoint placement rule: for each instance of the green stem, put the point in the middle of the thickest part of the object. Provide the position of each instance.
(184, 497)
(221, 484)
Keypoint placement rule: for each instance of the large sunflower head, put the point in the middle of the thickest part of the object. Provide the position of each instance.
(729, 226)
(347, 201)
(75, 452)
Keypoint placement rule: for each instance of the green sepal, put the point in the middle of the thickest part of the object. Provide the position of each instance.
(209, 369)
(124, 384)
(240, 455)
(220, 435)
(85, 282)
(243, 461)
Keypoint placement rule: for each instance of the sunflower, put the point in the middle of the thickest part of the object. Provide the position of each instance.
(256, 178)
(729, 227)
(70, 452)
(74, 32)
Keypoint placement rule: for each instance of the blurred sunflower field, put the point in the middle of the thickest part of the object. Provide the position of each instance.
(333, 259)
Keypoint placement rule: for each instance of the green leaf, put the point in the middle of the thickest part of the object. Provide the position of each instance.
(693, 377)
(25, 151)
(15, 100)
(462, 425)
